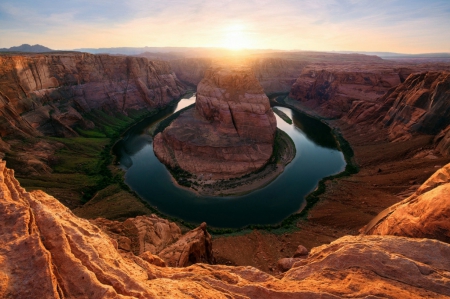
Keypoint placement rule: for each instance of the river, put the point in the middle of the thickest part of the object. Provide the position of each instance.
(317, 157)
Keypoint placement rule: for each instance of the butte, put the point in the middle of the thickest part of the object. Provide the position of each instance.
(230, 132)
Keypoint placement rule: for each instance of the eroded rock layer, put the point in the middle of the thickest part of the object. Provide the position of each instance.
(47, 93)
(332, 91)
(230, 132)
(47, 252)
(424, 214)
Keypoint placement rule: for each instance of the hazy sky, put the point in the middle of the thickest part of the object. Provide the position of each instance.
(407, 26)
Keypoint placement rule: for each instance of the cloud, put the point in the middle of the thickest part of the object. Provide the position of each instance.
(384, 25)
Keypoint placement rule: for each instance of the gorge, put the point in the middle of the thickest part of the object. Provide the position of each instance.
(59, 109)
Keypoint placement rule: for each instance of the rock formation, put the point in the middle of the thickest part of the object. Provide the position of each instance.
(419, 105)
(46, 93)
(47, 252)
(151, 236)
(230, 132)
(331, 92)
(49, 94)
(424, 214)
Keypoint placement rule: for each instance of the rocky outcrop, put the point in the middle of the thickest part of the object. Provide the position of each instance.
(230, 132)
(424, 214)
(155, 239)
(47, 252)
(144, 233)
(47, 93)
(419, 105)
(194, 247)
(331, 92)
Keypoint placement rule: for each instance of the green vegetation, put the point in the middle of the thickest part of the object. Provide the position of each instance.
(282, 115)
(81, 166)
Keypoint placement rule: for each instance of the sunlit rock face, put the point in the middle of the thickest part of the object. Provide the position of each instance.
(424, 214)
(230, 132)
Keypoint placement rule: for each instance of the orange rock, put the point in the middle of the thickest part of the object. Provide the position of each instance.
(48, 252)
(146, 233)
(424, 214)
(152, 259)
(193, 247)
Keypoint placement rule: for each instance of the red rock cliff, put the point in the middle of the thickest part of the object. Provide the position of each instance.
(46, 93)
(424, 214)
(332, 91)
(229, 133)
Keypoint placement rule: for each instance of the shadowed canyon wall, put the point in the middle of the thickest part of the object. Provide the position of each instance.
(46, 94)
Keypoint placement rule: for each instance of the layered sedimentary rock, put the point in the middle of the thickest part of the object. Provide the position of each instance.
(141, 234)
(424, 214)
(47, 252)
(332, 91)
(149, 236)
(230, 132)
(418, 106)
(47, 93)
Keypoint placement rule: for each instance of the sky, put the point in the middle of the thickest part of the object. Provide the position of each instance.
(402, 26)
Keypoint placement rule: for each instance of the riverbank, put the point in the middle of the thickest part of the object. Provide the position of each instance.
(388, 172)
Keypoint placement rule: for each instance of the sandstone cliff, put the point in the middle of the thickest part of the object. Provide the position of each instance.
(418, 106)
(47, 252)
(47, 93)
(332, 91)
(424, 214)
(229, 133)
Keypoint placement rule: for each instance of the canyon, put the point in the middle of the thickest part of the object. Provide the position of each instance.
(47, 94)
(393, 114)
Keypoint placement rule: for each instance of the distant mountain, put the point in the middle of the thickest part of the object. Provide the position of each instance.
(392, 55)
(27, 48)
(131, 50)
(171, 52)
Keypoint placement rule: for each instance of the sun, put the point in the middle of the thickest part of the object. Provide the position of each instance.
(236, 37)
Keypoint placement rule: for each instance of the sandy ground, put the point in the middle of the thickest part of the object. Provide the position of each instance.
(388, 173)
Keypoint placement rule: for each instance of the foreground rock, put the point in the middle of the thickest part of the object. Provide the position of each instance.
(150, 234)
(230, 132)
(424, 214)
(47, 252)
